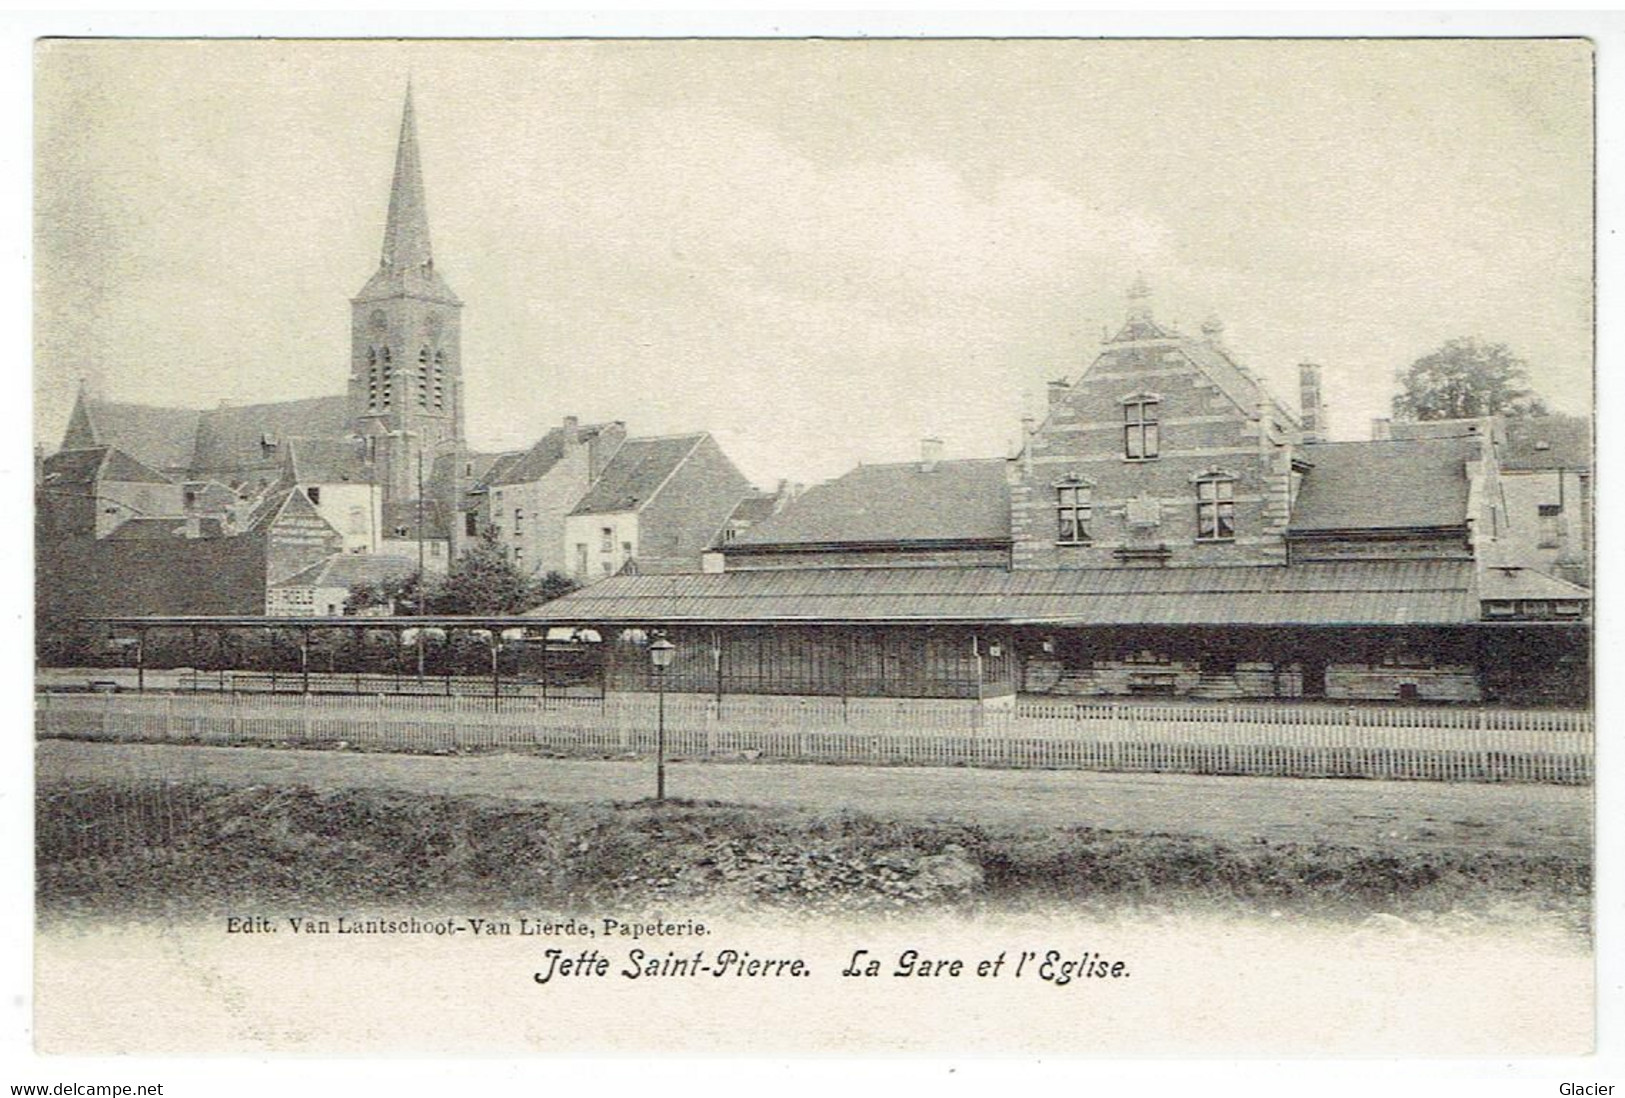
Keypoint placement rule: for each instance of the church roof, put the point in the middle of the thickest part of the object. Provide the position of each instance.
(161, 438)
(964, 500)
(248, 435)
(406, 264)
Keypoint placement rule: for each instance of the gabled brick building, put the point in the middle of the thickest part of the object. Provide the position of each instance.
(1166, 451)
(657, 507)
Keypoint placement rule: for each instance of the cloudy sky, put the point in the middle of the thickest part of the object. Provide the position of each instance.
(819, 251)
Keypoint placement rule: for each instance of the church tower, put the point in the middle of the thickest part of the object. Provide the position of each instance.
(406, 376)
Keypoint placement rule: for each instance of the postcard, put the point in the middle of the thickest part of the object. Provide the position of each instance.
(982, 547)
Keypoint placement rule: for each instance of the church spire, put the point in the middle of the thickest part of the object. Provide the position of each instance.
(406, 233)
(406, 262)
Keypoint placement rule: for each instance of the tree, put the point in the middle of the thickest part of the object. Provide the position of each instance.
(485, 581)
(554, 585)
(1463, 379)
(400, 596)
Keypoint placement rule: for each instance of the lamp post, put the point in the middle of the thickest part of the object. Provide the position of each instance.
(661, 652)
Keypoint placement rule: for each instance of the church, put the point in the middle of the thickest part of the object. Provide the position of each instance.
(241, 509)
(372, 467)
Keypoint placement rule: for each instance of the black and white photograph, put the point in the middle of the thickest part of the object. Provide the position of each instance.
(986, 547)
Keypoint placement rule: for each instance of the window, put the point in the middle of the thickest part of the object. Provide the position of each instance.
(1215, 509)
(471, 524)
(518, 556)
(581, 558)
(402, 531)
(1140, 440)
(609, 568)
(1551, 525)
(314, 494)
(518, 521)
(606, 543)
(1072, 511)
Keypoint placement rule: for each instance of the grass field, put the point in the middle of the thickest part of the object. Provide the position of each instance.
(127, 830)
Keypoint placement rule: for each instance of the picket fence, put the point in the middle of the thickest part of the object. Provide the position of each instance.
(1282, 740)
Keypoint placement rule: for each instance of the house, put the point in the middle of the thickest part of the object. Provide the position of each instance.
(756, 508)
(92, 491)
(524, 497)
(154, 568)
(323, 588)
(658, 505)
(1168, 529)
(1546, 481)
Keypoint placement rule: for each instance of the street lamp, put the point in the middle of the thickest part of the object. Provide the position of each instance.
(661, 652)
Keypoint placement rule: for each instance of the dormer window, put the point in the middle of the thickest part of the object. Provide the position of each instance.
(1215, 508)
(1073, 510)
(1140, 437)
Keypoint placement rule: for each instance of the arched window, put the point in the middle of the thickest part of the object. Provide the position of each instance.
(1073, 510)
(1215, 508)
(1140, 432)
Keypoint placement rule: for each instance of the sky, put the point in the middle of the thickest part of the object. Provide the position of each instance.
(820, 251)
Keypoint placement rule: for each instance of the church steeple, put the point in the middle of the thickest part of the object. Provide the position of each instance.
(406, 233)
(406, 372)
(406, 263)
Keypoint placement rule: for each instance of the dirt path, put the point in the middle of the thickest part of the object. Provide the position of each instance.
(1514, 818)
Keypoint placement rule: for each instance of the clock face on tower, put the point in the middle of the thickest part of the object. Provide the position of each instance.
(377, 322)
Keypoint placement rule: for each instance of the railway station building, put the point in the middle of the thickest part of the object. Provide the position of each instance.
(1169, 529)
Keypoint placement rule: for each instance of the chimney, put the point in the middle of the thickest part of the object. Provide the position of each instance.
(572, 432)
(1059, 390)
(1382, 429)
(1028, 426)
(1310, 403)
(930, 453)
(1213, 330)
